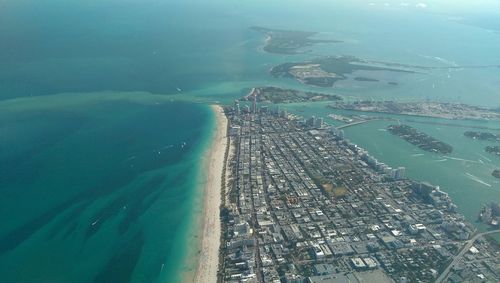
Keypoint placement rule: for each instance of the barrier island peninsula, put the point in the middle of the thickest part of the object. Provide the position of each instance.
(444, 110)
(303, 204)
(284, 95)
(281, 41)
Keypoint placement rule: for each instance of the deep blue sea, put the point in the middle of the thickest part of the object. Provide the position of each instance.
(101, 132)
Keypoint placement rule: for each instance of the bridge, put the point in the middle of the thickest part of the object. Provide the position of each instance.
(357, 123)
(467, 246)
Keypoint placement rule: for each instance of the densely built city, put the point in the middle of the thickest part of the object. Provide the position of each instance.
(304, 204)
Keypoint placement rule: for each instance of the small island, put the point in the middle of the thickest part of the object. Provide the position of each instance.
(495, 150)
(482, 136)
(419, 139)
(325, 72)
(282, 95)
(364, 79)
(289, 41)
(444, 110)
(496, 173)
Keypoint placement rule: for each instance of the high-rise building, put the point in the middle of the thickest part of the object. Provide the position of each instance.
(235, 130)
(393, 174)
(338, 133)
(237, 107)
(318, 123)
(254, 104)
(284, 113)
(311, 121)
(388, 170)
(277, 110)
(400, 173)
(341, 134)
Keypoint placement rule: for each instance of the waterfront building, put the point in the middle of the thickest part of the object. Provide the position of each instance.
(318, 123)
(311, 121)
(235, 130)
(254, 104)
(237, 108)
(284, 114)
(341, 134)
(277, 110)
(400, 173)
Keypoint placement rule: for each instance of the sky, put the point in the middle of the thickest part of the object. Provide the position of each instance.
(473, 6)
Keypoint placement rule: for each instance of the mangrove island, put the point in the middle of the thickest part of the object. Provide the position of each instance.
(419, 139)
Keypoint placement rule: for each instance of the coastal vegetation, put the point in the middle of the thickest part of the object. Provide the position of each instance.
(281, 41)
(495, 150)
(283, 95)
(329, 187)
(334, 191)
(496, 173)
(483, 136)
(419, 139)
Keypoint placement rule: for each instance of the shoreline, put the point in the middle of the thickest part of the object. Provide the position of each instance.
(208, 257)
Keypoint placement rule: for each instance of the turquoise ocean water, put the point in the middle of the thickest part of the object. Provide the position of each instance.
(96, 103)
(98, 191)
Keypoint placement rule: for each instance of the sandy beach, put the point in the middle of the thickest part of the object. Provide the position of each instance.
(206, 270)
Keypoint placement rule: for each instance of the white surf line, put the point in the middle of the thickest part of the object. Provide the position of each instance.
(474, 178)
(440, 160)
(417, 154)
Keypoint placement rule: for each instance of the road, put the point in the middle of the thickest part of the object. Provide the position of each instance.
(467, 246)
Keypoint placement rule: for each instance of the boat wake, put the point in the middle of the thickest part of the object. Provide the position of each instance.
(484, 157)
(474, 178)
(130, 158)
(461, 159)
(95, 222)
